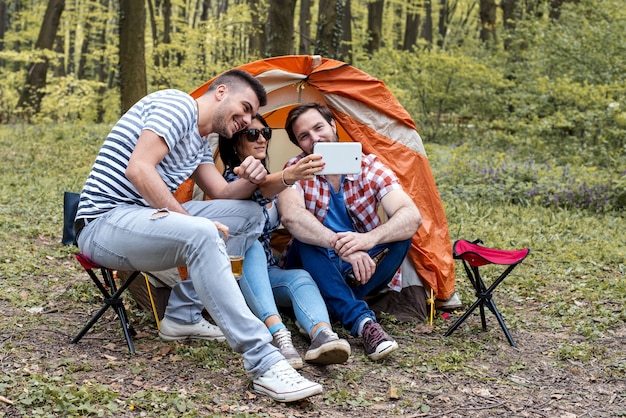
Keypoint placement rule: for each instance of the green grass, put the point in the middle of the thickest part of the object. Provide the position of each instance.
(572, 283)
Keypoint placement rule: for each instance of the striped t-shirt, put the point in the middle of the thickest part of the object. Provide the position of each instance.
(171, 114)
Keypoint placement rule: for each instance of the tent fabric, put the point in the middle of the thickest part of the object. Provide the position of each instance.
(365, 111)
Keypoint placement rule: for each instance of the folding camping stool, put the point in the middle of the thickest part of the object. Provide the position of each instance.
(473, 256)
(112, 298)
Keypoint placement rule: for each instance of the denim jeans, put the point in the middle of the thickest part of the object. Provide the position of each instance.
(265, 288)
(345, 303)
(131, 237)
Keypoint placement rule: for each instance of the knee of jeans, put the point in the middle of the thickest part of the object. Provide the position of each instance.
(301, 278)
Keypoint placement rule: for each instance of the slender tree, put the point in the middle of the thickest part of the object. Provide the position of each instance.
(256, 40)
(30, 98)
(132, 52)
(375, 25)
(329, 30)
(346, 47)
(304, 46)
(280, 22)
(411, 26)
(487, 12)
(427, 29)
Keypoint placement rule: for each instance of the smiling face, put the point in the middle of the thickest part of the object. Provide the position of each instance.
(257, 148)
(311, 127)
(235, 110)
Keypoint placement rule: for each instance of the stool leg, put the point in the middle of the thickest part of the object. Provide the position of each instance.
(118, 306)
(492, 307)
(463, 317)
(111, 300)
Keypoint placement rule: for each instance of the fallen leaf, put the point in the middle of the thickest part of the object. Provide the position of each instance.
(392, 393)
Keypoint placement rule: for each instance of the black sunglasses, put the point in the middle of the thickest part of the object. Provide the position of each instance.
(253, 134)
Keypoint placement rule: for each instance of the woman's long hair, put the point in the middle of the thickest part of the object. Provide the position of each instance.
(227, 147)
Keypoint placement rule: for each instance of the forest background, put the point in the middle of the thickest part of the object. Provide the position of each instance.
(521, 106)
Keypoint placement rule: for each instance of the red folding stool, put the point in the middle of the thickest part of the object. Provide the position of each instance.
(112, 298)
(474, 256)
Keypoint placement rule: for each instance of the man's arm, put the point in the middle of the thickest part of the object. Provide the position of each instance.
(403, 221)
(301, 223)
(209, 179)
(141, 172)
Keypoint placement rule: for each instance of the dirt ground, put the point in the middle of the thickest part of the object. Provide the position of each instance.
(500, 381)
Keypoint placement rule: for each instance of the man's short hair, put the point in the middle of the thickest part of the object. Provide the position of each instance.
(297, 111)
(233, 79)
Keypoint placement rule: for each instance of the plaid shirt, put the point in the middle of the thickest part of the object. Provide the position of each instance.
(362, 195)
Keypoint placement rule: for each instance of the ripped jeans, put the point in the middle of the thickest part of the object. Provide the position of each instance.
(132, 237)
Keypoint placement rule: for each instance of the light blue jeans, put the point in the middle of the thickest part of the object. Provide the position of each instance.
(129, 237)
(266, 287)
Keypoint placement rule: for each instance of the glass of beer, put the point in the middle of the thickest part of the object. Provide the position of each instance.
(236, 251)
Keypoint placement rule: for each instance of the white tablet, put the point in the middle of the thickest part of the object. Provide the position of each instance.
(340, 157)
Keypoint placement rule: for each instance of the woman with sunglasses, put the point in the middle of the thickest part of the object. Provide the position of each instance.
(264, 284)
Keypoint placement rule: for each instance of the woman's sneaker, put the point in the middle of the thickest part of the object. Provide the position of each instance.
(282, 340)
(328, 348)
(377, 342)
(203, 330)
(283, 384)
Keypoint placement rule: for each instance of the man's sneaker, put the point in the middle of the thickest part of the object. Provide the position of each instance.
(377, 342)
(283, 384)
(282, 340)
(203, 330)
(328, 348)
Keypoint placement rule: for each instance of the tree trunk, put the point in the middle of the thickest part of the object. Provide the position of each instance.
(256, 39)
(30, 98)
(555, 8)
(345, 46)
(487, 12)
(329, 31)
(281, 16)
(412, 26)
(3, 23)
(509, 18)
(427, 29)
(304, 46)
(444, 18)
(375, 25)
(167, 29)
(153, 32)
(132, 52)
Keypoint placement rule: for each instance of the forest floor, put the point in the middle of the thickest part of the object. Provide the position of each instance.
(469, 374)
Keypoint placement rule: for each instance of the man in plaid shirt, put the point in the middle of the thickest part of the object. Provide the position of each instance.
(337, 230)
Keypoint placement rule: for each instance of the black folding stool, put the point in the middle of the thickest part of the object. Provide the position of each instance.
(473, 256)
(112, 298)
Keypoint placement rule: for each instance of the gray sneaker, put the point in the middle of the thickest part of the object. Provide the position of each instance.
(282, 340)
(328, 348)
(283, 384)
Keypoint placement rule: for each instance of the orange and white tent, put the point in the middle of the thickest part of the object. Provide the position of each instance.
(365, 111)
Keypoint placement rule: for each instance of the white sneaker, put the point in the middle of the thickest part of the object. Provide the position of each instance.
(284, 384)
(203, 330)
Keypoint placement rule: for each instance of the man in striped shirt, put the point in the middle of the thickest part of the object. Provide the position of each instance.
(338, 231)
(128, 219)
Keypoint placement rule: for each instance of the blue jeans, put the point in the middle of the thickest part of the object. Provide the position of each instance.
(266, 287)
(129, 237)
(345, 303)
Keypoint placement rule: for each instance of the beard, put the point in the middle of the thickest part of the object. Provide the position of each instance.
(222, 124)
